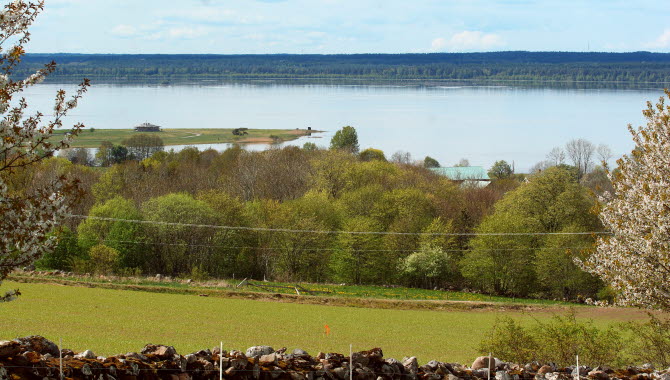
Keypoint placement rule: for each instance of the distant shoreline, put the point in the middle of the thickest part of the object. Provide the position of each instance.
(93, 138)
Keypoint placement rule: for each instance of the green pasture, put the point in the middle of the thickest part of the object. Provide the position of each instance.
(117, 321)
(93, 138)
(322, 290)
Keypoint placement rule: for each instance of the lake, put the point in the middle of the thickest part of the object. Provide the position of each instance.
(447, 122)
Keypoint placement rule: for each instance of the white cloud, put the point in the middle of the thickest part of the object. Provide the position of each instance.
(124, 30)
(468, 41)
(663, 41)
(186, 32)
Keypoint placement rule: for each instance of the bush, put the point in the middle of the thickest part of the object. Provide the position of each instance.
(651, 343)
(557, 341)
(104, 259)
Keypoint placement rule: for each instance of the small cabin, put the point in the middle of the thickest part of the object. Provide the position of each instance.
(147, 127)
(469, 176)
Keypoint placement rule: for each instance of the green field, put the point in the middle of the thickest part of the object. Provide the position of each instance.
(117, 321)
(330, 291)
(93, 139)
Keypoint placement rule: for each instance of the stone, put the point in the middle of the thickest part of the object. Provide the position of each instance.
(648, 366)
(583, 371)
(88, 354)
(9, 348)
(503, 375)
(38, 344)
(411, 364)
(266, 360)
(483, 362)
(544, 370)
(135, 355)
(255, 351)
(598, 375)
(359, 358)
(161, 351)
(191, 358)
(299, 352)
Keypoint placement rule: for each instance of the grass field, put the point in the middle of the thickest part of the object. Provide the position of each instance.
(319, 290)
(88, 139)
(117, 321)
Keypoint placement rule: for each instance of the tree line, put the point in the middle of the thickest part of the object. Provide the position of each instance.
(359, 207)
(514, 65)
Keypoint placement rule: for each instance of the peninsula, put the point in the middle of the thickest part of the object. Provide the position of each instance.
(92, 138)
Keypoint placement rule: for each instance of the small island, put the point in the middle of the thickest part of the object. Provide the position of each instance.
(92, 138)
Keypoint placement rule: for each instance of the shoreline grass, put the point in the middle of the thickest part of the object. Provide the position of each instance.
(92, 138)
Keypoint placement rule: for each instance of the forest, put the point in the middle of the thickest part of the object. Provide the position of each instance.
(325, 215)
(635, 67)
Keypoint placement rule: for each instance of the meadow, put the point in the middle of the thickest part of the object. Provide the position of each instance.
(92, 138)
(118, 321)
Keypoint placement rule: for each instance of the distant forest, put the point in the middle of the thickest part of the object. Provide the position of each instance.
(635, 67)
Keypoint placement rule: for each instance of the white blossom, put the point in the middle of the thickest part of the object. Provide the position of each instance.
(28, 215)
(635, 260)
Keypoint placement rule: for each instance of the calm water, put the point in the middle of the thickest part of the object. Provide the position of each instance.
(480, 123)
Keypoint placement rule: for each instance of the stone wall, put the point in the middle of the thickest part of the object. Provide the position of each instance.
(35, 357)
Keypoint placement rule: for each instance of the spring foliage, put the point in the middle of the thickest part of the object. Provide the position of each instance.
(28, 215)
(635, 260)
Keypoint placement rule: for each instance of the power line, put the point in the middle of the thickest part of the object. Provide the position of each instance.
(263, 229)
(307, 249)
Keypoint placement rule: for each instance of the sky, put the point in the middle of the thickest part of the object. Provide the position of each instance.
(349, 26)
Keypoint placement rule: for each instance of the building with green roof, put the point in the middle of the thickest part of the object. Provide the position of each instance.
(466, 175)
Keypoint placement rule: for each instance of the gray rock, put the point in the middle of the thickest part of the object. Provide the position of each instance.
(411, 364)
(298, 351)
(163, 352)
(135, 355)
(432, 365)
(648, 366)
(255, 351)
(38, 344)
(88, 354)
(583, 371)
(483, 362)
(503, 375)
(191, 358)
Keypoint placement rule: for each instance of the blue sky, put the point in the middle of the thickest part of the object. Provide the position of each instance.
(350, 26)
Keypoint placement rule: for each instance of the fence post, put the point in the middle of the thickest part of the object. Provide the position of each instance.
(488, 370)
(60, 357)
(351, 362)
(577, 375)
(221, 361)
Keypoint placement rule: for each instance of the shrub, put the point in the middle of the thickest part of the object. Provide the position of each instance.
(557, 341)
(104, 259)
(651, 343)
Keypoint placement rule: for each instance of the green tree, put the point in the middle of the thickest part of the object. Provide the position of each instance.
(104, 260)
(125, 237)
(430, 162)
(501, 170)
(143, 145)
(177, 249)
(372, 154)
(549, 202)
(345, 139)
(63, 255)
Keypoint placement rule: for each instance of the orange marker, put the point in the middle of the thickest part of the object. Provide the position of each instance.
(327, 328)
